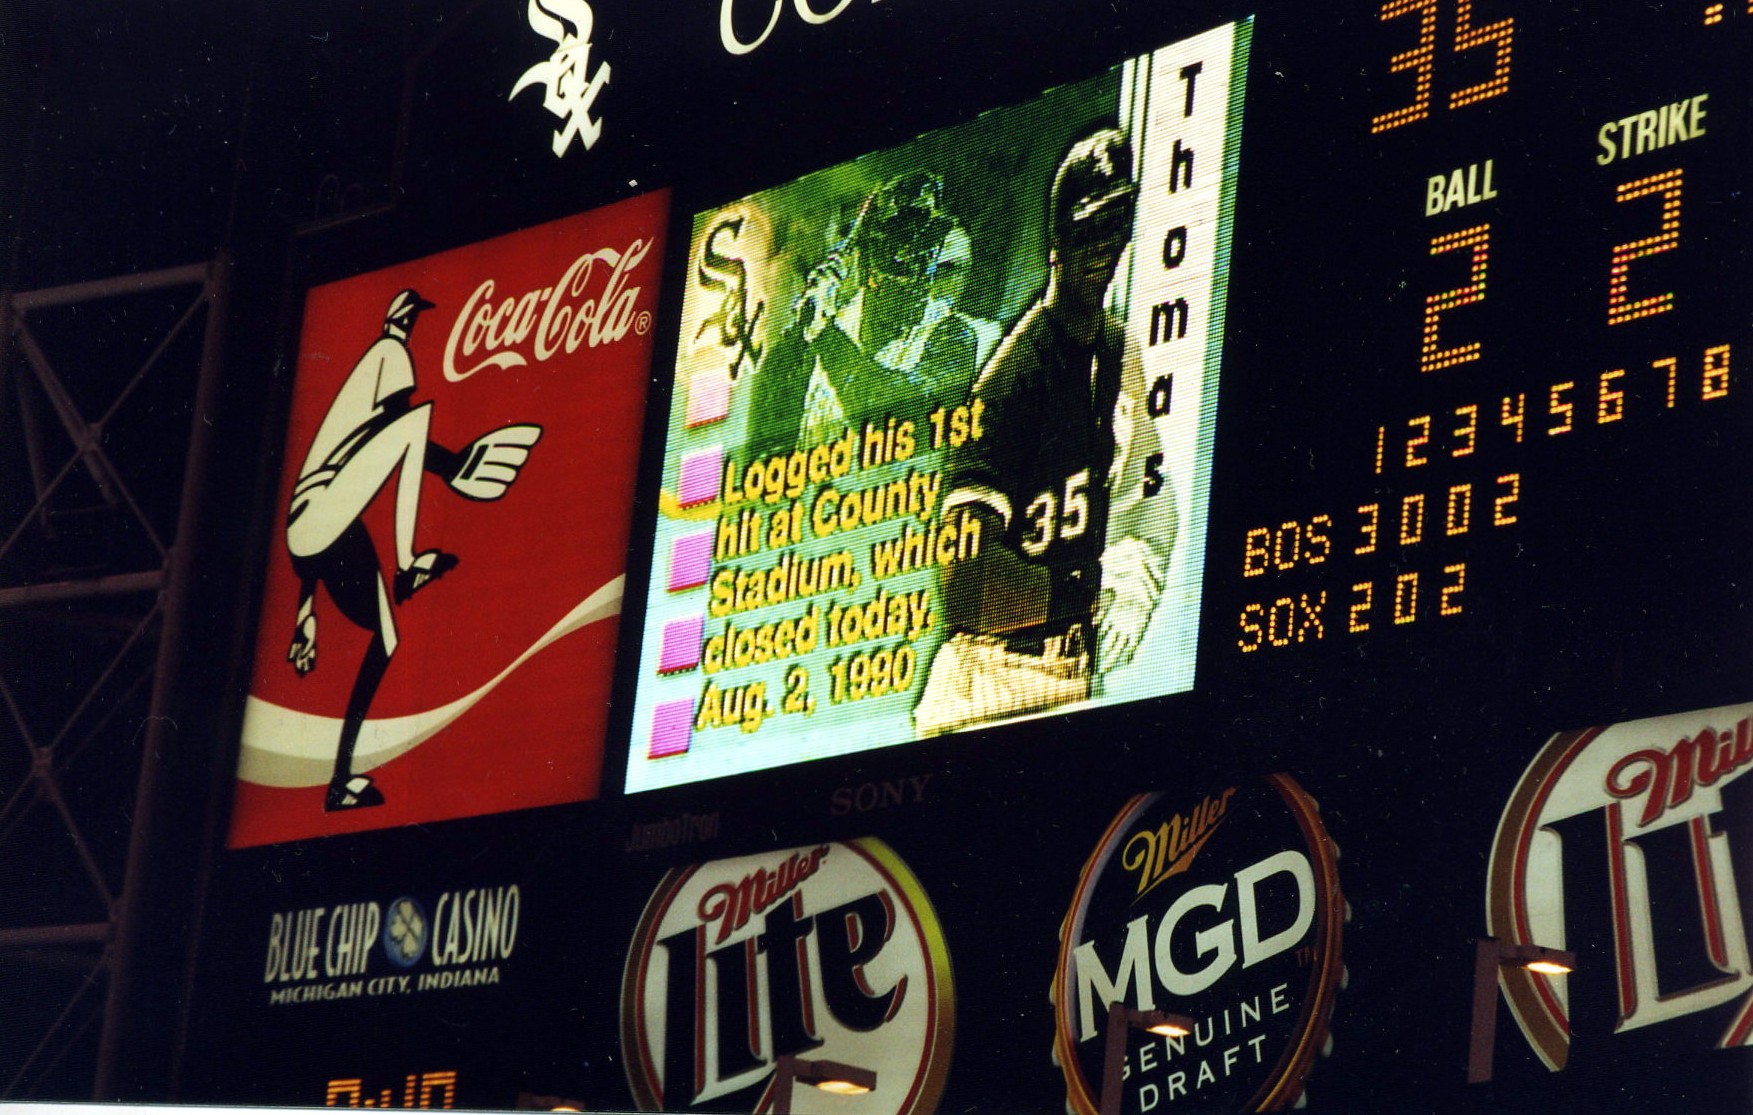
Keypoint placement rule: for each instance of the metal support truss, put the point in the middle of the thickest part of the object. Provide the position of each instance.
(101, 461)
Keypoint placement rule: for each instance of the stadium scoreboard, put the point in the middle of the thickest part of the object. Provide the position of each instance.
(1206, 507)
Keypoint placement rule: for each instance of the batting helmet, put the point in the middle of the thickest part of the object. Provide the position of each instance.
(1094, 181)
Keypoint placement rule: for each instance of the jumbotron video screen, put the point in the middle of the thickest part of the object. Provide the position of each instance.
(939, 449)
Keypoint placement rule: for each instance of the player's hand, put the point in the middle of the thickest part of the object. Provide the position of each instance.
(303, 651)
(493, 460)
(820, 299)
(1132, 583)
(1125, 427)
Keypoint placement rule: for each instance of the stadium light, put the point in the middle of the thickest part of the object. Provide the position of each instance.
(1122, 1020)
(1489, 957)
(830, 1076)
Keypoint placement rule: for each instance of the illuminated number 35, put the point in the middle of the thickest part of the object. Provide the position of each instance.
(1052, 518)
(1421, 59)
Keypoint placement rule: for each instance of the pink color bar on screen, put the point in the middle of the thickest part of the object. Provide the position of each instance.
(671, 724)
(699, 479)
(690, 561)
(708, 397)
(681, 645)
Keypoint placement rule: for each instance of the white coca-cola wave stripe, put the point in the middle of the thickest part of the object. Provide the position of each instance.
(287, 748)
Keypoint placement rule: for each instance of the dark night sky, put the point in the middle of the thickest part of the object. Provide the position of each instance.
(129, 127)
(121, 121)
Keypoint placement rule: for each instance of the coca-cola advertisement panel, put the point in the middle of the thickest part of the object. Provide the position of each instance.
(439, 614)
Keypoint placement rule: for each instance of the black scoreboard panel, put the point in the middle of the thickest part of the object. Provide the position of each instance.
(1469, 627)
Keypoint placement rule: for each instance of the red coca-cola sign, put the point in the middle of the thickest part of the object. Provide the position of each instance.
(437, 632)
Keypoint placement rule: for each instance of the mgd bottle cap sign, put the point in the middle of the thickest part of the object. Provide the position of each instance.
(1222, 906)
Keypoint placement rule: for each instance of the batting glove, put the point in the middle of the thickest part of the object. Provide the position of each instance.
(820, 299)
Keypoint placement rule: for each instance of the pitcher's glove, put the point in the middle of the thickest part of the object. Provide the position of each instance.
(492, 461)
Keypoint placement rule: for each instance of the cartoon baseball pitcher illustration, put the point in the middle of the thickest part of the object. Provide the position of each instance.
(373, 434)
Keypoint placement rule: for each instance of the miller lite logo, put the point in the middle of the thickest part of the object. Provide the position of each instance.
(830, 951)
(1222, 907)
(1622, 844)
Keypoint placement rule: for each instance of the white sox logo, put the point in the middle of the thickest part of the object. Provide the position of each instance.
(570, 87)
(829, 951)
(726, 274)
(1619, 845)
(1221, 906)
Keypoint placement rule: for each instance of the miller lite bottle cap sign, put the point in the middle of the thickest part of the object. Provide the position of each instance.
(826, 952)
(1221, 906)
(1627, 846)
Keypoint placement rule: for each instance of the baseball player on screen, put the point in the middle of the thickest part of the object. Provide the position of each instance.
(373, 432)
(876, 329)
(1074, 552)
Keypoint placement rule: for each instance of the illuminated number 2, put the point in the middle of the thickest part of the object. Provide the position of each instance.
(1431, 354)
(1619, 307)
(1051, 519)
(1422, 59)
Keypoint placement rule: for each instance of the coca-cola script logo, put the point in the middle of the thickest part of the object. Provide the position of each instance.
(830, 951)
(1222, 906)
(1620, 844)
(587, 306)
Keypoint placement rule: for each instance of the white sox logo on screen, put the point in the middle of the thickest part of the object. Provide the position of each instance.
(830, 951)
(1221, 906)
(725, 273)
(1625, 845)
